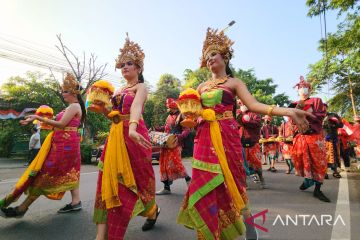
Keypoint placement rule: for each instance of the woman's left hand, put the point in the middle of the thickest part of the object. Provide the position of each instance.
(28, 119)
(139, 139)
(299, 118)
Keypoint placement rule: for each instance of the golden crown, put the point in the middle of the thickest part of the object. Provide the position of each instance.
(218, 42)
(131, 51)
(70, 84)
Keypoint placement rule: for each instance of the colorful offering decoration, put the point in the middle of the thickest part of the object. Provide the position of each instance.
(190, 106)
(99, 96)
(45, 112)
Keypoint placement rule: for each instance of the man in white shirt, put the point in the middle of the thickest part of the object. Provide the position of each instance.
(34, 145)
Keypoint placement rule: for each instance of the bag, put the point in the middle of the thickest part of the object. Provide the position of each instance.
(163, 140)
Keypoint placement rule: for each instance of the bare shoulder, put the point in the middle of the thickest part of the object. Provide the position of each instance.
(201, 85)
(74, 106)
(74, 109)
(141, 87)
(234, 80)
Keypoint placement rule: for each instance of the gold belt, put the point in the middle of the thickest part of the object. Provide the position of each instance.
(224, 115)
(119, 118)
(67, 129)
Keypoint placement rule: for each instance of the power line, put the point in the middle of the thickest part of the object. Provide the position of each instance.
(38, 58)
(42, 56)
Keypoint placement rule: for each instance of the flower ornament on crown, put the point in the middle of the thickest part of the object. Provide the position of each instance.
(131, 51)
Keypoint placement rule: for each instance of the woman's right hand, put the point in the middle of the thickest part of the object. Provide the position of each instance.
(299, 118)
(139, 139)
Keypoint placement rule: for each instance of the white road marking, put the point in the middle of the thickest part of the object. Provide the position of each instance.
(339, 231)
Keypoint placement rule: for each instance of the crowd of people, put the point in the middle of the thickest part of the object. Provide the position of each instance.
(228, 146)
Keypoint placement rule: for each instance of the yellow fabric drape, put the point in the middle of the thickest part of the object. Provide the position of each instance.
(216, 140)
(38, 161)
(117, 167)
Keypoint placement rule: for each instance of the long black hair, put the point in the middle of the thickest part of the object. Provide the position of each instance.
(230, 74)
(228, 70)
(141, 78)
(83, 109)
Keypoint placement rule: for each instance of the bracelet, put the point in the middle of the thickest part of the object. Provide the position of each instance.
(134, 121)
(270, 110)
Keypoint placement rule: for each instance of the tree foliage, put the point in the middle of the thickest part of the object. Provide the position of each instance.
(262, 89)
(33, 90)
(341, 55)
(194, 78)
(36, 89)
(155, 109)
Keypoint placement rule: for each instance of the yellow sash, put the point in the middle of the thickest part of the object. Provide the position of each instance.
(117, 167)
(38, 161)
(216, 140)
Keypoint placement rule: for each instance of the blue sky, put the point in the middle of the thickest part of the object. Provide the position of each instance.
(275, 37)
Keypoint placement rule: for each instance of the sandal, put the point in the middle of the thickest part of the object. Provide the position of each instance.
(336, 175)
(150, 223)
(12, 212)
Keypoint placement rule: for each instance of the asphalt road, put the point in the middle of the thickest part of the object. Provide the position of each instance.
(291, 214)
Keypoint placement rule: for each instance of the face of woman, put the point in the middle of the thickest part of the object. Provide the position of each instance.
(68, 97)
(215, 61)
(129, 70)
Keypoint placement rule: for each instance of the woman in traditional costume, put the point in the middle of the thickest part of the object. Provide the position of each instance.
(126, 182)
(216, 197)
(56, 168)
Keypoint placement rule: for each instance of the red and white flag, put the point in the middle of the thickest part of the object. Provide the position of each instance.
(347, 127)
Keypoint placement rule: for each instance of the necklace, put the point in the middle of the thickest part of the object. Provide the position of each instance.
(214, 82)
(126, 87)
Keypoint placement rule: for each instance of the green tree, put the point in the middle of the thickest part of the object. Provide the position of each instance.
(148, 111)
(155, 109)
(194, 78)
(96, 123)
(32, 91)
(263, 90)
(36, 89)
(340, 63)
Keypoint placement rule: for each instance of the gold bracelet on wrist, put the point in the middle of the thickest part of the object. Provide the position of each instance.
(270, 110)
(134, 121)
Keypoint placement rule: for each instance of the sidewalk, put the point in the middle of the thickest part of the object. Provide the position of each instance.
(14, 168)
(9, 163)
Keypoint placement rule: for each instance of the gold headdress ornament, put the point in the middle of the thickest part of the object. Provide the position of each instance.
(131, 51)
(70, 84)
(218, 42)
